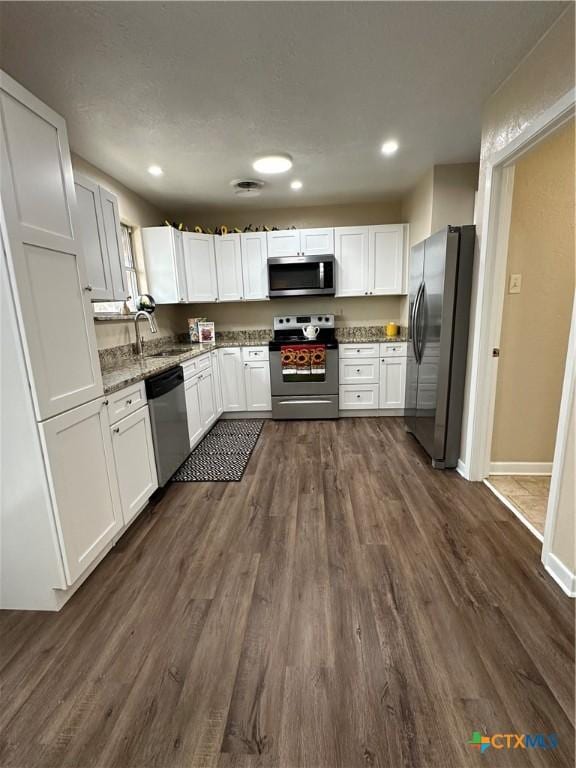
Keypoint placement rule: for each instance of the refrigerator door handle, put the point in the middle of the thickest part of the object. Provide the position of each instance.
(414, 322)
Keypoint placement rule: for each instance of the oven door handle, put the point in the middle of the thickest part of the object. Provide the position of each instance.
(305, 402)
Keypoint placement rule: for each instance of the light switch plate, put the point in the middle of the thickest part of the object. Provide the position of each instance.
(515, 284)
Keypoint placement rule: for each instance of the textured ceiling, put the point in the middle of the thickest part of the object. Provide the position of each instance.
(203, 88)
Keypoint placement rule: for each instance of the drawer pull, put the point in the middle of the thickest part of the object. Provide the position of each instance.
(358, 396)
(358, 370)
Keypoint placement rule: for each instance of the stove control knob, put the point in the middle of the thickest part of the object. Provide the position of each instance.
(327, 319)
(280, 320)
(287, 319)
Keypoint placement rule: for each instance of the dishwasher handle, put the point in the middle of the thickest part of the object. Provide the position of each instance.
(159, 385)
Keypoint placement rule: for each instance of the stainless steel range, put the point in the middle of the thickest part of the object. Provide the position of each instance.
(304, 371)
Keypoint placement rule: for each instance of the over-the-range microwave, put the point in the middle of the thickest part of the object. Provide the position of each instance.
(301, 276)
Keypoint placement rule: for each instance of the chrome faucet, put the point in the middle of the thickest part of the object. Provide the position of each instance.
(140, 339)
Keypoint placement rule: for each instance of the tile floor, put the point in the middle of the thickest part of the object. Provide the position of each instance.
(528, 493)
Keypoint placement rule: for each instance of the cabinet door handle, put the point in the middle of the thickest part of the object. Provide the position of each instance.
(128, 402)
(116, 429)
(104, 402)
(88, 287)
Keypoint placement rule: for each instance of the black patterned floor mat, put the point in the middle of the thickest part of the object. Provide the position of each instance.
(223, 454)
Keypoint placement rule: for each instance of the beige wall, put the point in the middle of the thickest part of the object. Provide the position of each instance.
(374, 310)
(543, 77)
(138, 213)
(453, 194)
(536, 322)
(417, 208)
(247, 212)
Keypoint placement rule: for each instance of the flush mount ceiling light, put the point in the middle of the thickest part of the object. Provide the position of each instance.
(296, 185)
(155, 170)
(389, 147)
(273, 164)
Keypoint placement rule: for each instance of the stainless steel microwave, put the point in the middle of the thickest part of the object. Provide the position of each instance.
(301, 276)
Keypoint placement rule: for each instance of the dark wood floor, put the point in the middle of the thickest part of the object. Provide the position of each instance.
(344, 605)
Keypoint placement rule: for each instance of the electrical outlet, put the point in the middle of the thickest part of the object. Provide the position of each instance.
(515, 284)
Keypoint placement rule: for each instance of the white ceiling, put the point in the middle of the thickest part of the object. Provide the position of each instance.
(203, 88)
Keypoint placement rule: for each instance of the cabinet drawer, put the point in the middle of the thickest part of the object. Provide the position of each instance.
(126, 401)
(197, 364)
(254, 353)
(359, 350)
(362, 371)
(358, 396)
(389, 349)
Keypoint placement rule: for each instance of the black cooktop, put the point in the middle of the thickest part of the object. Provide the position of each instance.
(326, 336)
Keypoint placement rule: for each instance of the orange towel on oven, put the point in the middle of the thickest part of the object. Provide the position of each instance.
(303, 359)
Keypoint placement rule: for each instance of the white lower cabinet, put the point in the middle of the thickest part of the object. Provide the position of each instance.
(193, 411)
(83, 485)
(358, 397)
(233, 389)
(206, 395)
(216, 381)
(392, 382)
(257, 385)
(134, 460)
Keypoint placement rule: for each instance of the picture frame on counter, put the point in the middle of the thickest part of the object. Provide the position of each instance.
(206, 333)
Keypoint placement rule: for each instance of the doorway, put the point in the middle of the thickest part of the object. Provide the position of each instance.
(535, 327)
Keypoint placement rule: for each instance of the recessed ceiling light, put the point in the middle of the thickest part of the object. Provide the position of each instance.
(296, 184)
(389, 147)
(273, 164)
(155, 170)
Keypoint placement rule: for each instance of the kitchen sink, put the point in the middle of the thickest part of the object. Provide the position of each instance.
(168, 353)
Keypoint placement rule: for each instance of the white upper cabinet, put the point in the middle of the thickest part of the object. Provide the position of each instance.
(386, 259)
(351, 253)
(229, 267)
(111, 219)
(165, 271)
(44, 252)
(301, 242)
(316, 242)
(83, 484)
(93, 237)
(254, 271)
(285, 242)
(200, 262)
(370, 260)
(99, 230)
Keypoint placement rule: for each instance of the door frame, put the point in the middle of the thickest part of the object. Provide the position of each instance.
(492, 257)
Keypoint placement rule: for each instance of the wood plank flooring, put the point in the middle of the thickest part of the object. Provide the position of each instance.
(343, 605)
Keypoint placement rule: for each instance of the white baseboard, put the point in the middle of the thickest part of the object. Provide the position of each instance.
(561, 574)
(525, 522)
(462, 469)
(521, 468)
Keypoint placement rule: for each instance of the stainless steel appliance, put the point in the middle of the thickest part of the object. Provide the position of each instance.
(167, 405)
(301, 276)
(313, 396)
(440, 283)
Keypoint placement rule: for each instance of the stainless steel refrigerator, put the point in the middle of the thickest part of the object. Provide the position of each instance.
(440, 285)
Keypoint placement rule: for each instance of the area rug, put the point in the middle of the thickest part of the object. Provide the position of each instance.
(223, 454)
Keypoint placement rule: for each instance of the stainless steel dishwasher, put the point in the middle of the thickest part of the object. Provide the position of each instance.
(167, 405)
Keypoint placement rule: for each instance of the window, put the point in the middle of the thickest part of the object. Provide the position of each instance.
(115, 307)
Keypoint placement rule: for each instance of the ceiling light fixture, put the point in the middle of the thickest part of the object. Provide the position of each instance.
(273, 164)
(155, 170)
(296, 184)
(389, 147)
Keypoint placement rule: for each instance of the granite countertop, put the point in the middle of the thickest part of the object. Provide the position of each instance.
(121, 367)
(128, 369)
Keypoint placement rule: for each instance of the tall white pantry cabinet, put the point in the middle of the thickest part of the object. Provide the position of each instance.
(58, 519)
